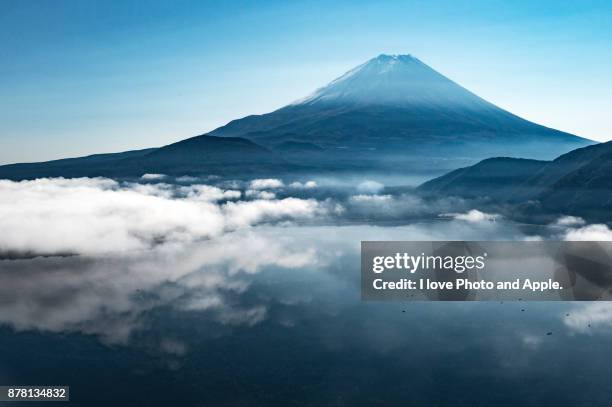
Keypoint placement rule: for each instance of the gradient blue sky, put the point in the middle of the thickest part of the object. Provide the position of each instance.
(79, 77)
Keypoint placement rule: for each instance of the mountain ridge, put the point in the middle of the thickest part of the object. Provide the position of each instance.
(577, 183)
(199, 155)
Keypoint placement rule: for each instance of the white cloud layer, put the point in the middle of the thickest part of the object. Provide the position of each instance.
(595, 232)
(566, 221)
(93, 216)
(255, 193)
(152, 177)
(371, 198)
(305, 185)
(266, 183)
(473, 215)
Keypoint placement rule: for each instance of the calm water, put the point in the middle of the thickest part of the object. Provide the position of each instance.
(273, 316)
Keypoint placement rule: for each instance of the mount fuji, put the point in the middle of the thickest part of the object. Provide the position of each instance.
(395, 111)
(392, 113)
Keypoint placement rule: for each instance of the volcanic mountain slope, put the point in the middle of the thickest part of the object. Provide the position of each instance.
(392, 113)
(201, 155)
(393, 110)
(576, 183)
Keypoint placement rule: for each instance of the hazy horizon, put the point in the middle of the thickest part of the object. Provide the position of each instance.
(84, 78)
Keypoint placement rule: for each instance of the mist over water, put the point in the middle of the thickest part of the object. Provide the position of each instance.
(225, 292)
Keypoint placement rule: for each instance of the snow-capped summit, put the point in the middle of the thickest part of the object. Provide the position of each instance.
(394, 80)
(394, 110)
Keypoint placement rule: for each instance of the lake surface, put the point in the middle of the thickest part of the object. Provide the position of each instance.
(272, 315)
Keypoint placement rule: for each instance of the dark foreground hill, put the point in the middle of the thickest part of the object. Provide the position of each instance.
(495, 178)
(202, 155)
(576, 183)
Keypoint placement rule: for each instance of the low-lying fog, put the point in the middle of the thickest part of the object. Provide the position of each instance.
(120, 258)
(113, 250)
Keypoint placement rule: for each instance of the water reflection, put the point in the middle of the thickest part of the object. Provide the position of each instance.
(272, 315)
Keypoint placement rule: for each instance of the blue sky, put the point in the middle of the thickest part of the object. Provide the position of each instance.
(80, 77)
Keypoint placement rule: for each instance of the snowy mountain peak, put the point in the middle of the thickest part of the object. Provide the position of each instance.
(393, 80)
(394, 57)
